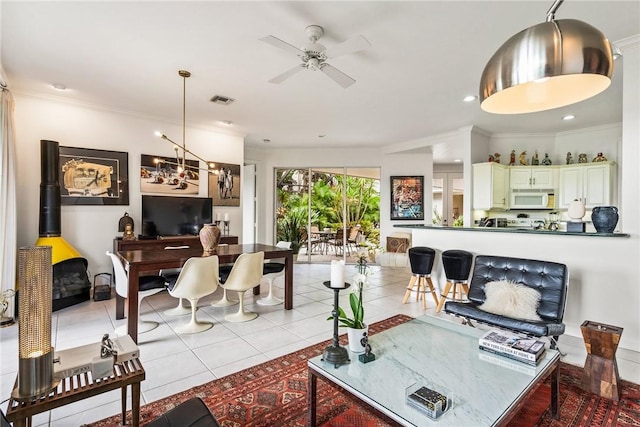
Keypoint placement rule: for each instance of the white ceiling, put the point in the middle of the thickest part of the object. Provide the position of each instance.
(424, 58)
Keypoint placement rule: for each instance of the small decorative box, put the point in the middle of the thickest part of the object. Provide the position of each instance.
(430, 400)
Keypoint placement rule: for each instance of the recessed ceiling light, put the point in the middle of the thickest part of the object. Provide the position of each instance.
(58, 86)
(226, 122)
(470, 98)
(569, 117)
(457, 160)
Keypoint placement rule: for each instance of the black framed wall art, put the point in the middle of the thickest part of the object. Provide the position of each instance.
(224, 184)
(93, 177)
(407, 197)
(165, 175)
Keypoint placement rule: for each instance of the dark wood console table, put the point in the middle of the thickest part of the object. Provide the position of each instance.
(82, 386)
(161, 242)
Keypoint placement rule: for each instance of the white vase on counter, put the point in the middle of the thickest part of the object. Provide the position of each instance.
(576, 210)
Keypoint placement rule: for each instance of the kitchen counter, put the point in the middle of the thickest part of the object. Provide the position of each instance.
(510, 230)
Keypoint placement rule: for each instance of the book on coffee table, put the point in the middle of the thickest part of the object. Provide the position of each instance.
(524, 349)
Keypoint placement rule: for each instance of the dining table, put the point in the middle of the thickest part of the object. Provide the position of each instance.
(154, 260)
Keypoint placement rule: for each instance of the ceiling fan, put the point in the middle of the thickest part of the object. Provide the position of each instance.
(314, 55)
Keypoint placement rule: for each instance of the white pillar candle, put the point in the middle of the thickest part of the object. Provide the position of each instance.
(218, 216)
(337, 274)
(226, 217)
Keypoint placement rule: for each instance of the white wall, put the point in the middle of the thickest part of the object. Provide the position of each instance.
(91, 229)
(267, 160)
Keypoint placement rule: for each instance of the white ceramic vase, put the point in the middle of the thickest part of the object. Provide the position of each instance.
(355, 337)
(576, 210)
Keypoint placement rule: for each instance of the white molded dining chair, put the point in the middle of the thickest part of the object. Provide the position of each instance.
(148, 285)
(271, 271)
(245, 275)
(224, 271)
(198, 278)
(170, 276)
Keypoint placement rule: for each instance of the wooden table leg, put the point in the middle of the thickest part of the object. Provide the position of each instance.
(311, 399)
(120, 303)
(288, 281)
(123, 404)
(132, 302)
(135, 404)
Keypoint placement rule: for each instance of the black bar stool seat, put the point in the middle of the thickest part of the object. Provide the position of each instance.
(457, 266)
(421, 259)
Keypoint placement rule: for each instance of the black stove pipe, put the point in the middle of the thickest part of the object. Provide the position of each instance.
(50, 222)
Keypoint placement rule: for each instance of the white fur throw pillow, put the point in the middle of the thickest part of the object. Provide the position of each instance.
(512, 300)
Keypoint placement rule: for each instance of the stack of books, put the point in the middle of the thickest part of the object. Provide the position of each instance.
(523, 349)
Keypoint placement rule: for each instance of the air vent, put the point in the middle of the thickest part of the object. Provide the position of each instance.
(222, 100)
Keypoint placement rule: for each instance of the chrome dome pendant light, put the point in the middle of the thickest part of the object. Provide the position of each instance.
(549, 65)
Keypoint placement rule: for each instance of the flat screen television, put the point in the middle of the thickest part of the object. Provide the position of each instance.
(174, 216)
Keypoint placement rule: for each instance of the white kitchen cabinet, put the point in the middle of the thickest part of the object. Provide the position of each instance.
(490, 186)
(591, 183)
(538, 177)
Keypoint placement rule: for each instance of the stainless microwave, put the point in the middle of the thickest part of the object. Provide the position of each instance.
(531, 199)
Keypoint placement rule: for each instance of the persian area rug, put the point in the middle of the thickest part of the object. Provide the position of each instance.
(274, 393)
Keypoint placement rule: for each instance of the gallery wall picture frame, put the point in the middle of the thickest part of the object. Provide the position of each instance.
(224, 184)
(93, 176)
(163, 175)
(407, 198)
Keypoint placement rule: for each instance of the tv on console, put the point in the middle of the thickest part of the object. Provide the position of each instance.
(174, 216)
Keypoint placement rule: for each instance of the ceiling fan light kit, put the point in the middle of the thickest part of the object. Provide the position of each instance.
(547, 66)
(315, 55)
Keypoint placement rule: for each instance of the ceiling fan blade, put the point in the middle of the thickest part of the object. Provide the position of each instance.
(337, 76)
(274, 41)
(284, 76)
(352, 45)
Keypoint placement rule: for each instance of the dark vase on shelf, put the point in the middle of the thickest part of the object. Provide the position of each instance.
(604, 218)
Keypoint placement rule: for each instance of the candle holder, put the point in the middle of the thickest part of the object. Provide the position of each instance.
(226, 227)
(217, 223)
(334, 353)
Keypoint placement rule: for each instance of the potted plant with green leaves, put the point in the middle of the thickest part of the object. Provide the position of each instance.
(357, 328)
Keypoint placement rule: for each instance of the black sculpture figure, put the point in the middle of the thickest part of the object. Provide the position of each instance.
(367, 356)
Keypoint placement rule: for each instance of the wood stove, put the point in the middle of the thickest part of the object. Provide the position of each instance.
(71, 283)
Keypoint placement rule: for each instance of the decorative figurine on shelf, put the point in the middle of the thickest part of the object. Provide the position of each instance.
(106, 347)
(600, 158)
(128, 233)
(523, 158)
(491, 158)
(569, 158)
(582, 158)
(512, 158)
(534, 159)
(367, 356)
(496, 157)
(546, 161)
(125, 226)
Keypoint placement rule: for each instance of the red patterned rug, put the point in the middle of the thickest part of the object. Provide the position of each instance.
(274, 393)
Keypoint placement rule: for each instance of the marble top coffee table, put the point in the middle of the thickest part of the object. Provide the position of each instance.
(487, 389)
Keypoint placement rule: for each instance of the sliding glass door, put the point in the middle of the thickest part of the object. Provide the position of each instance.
(327, 212)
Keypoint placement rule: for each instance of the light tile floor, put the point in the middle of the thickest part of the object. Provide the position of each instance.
(174, 363)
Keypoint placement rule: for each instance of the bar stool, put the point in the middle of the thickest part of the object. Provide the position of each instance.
(421, 260)
(457, 266)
